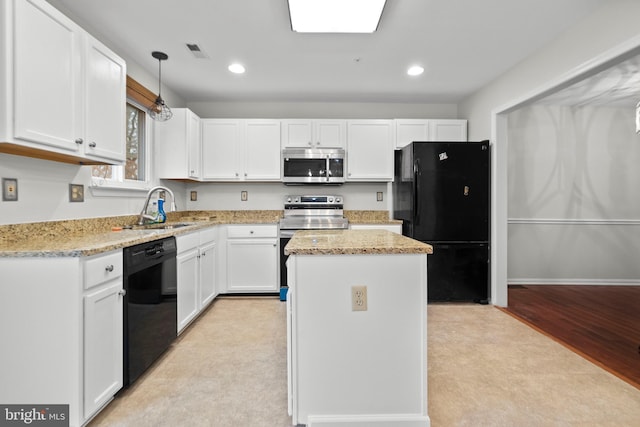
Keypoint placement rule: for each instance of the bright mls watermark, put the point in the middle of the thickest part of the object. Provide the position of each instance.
(34, 415)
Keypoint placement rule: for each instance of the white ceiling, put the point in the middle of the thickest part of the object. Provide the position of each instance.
(462, 44)
(615, 86)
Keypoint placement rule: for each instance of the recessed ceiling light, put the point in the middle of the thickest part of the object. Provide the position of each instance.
(236, 68)
(415, 70)
(335, 16)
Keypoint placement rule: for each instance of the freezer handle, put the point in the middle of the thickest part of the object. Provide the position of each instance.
(416, 189)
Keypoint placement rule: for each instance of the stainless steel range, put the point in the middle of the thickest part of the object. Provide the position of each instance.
(308, 212)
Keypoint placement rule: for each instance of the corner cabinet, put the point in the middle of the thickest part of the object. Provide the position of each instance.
(64, 98)
(241, 150)
(252, 258)
(409, 130)
(177, 145)
(370, 150)
(74, 306)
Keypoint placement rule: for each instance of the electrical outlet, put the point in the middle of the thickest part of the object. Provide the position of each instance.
(9, 189)
(76, 193)
(194, 196)
(244, 196)
(358, 298)
(379, 196)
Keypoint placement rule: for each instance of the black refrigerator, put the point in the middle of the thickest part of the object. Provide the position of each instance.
(441, 192)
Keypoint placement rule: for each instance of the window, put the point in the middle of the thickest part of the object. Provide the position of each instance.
(134, 174)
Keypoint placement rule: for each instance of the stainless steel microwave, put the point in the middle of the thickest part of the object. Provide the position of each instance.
(313, 165)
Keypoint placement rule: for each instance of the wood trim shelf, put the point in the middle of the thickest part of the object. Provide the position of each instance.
(139, 93)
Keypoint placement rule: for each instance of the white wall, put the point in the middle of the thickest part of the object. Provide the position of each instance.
(323, 110)
(574, 214)
(270, 196)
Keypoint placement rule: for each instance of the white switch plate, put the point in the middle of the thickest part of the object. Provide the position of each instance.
(9, 189)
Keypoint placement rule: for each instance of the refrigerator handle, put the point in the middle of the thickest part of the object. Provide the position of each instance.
(416, 190)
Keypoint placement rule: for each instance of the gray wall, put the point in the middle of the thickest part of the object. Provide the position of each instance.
(574, 210)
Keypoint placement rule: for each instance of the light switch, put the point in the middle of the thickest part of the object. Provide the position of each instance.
(9, 189)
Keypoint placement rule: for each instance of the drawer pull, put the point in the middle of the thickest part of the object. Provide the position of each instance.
(109, 268)
(92, 144)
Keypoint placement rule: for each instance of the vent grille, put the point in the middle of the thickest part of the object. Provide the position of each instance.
(197, 51)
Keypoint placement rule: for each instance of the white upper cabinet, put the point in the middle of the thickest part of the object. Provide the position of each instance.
(239, 150)
(304, 133)
(409, 130)
(105, 93)
(220, 141)
(177, 144)
(447, 130)
(261, 152)
(63, 92)
(370, 150)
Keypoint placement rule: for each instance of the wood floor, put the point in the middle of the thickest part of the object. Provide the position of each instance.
(602, 323)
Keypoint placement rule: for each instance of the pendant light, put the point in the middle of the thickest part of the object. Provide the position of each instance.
(159, 110)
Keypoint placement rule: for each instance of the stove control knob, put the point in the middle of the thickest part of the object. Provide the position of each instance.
(330, 199)
(288, 199)
(296, 200)
(338, 200)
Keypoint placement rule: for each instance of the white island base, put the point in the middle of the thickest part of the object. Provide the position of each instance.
(357, 368)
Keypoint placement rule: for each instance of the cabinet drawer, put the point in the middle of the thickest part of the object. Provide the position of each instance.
(102, 268)
(243, 231)
(207, 235)
(184, 242)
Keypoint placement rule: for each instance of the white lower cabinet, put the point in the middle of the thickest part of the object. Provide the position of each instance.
(103, 333)
(252, 258)
(71, 310)
(102, 345)
(196, 269)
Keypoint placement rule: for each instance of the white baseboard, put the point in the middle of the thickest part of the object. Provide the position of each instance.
(383, 420)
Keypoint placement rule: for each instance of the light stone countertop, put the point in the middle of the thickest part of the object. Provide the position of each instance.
(370, 217)
(86, 237)
(347, 242)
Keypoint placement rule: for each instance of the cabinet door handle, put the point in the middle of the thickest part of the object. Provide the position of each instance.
(122, 292)
(92, 144)
(251, 232)
(79, 141)
(109, 268)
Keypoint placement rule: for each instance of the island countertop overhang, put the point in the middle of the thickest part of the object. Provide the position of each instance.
(351, 242)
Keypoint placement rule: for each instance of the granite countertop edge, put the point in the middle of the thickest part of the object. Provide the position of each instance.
(353, 242)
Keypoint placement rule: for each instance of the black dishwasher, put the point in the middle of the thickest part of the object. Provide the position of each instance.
(150, 314)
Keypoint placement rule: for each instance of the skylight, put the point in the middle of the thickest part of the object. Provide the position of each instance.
(335, 16)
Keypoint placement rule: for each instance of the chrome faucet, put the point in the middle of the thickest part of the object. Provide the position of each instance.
(143, 213)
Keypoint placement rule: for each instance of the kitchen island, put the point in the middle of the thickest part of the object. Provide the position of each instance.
(357, 329)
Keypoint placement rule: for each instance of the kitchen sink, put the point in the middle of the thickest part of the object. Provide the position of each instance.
(162, 226)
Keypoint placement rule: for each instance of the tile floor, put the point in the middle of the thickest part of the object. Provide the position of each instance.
(485, 369)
